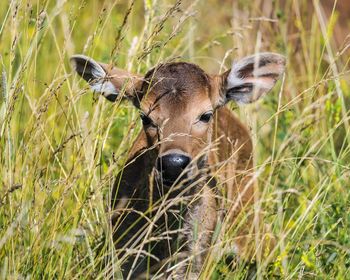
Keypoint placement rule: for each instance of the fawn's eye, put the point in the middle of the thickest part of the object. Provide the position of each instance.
(206, 117)
(146, 121)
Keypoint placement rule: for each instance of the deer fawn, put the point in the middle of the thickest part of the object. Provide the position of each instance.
(190, 171)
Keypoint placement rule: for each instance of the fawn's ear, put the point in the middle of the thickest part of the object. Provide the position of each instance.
(251, 77)
(106, 79)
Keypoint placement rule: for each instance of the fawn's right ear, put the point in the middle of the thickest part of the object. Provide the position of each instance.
(250, 78)
(106, 79)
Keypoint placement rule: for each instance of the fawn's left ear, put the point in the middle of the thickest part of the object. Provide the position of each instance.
(252, 77)
(107, 80)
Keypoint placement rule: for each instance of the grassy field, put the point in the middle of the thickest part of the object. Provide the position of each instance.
(61, 146)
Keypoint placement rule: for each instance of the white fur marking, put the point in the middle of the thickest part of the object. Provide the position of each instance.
(105, 87)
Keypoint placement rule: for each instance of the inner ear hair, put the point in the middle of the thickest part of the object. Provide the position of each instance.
(246, 88)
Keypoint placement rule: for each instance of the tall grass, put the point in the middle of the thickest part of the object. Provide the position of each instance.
(61, 146)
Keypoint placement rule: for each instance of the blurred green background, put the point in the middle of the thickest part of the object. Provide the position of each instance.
(61, 145)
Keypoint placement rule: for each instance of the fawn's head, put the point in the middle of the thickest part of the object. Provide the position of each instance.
(177, 100)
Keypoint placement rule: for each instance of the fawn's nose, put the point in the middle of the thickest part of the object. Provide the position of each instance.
(171, 166)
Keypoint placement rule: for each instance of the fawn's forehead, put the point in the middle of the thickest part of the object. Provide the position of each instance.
(175, 86)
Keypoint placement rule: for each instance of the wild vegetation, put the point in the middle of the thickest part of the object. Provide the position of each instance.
(61, 146)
